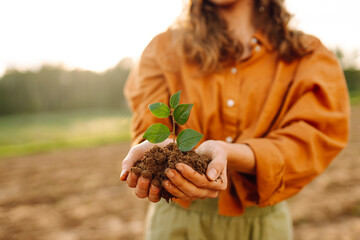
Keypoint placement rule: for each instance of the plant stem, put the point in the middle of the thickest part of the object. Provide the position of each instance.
(173, 129)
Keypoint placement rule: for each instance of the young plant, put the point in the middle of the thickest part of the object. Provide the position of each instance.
(157, 133)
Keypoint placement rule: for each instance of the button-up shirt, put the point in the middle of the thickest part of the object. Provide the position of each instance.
(294, 116)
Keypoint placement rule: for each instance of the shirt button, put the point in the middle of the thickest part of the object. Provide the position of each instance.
(230, 103)
(257, 48)
(229, 139)
(254, 41)
(233, 70)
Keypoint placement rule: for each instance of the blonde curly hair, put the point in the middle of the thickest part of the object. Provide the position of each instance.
(207, 42)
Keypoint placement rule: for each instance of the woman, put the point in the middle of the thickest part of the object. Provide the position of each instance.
(271, 102)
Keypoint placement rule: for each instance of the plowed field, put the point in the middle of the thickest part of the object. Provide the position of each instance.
(75, 194)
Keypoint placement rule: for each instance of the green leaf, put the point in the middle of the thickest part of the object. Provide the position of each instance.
(175, 99)
(182, 112)
(187, 139)
(160, 110)
(157, 133)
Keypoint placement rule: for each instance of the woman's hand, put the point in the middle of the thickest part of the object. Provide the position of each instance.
(142, 184)
(187, 184)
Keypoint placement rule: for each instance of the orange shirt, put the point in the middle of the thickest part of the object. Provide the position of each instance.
(294, 116)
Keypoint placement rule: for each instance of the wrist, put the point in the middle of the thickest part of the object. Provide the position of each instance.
(240, 157)
(221, 148)
(224, 146)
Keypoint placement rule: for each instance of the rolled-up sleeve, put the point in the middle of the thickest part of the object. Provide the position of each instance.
(310, 130)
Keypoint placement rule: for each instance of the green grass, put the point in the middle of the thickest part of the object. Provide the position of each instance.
(35, 133)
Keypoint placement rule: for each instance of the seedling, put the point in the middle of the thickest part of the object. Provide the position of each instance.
(157, 133)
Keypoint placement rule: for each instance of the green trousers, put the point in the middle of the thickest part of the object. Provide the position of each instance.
(202, 222)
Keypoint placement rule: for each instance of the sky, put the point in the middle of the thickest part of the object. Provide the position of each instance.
(97, 34)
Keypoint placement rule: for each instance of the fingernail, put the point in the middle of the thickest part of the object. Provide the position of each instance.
(136, 171)
(146, 174)
(156, 183)
(170, 173)
(212, 174)
(179, 167)
(122, 175)
(165, 183)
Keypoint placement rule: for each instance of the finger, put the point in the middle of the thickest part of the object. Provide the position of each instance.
(216, 167)
(176, 192)
(172, 189)
(218, 155)
(154, 191)
(124, 174)
(132, 179)
(142, 187)
(127, 163)
(185, 186)
(199, 180)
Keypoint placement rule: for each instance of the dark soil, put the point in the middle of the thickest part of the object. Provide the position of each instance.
(157, 160)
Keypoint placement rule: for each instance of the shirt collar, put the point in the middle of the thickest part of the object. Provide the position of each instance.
(262, 39)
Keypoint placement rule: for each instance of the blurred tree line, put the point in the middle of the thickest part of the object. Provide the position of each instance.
(353, 80)
(55, 88)
(351, 70)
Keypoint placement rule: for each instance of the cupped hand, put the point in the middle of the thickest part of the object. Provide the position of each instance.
(187, 184)
(143, 185)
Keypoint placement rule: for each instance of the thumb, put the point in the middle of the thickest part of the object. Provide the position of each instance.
(125, 166)
(219, 158)
(216, 167)
(134, 154)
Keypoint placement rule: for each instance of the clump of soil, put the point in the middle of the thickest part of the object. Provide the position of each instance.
(157, 160)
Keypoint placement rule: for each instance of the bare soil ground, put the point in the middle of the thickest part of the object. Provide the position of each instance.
(76, 194)
(329, 207)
